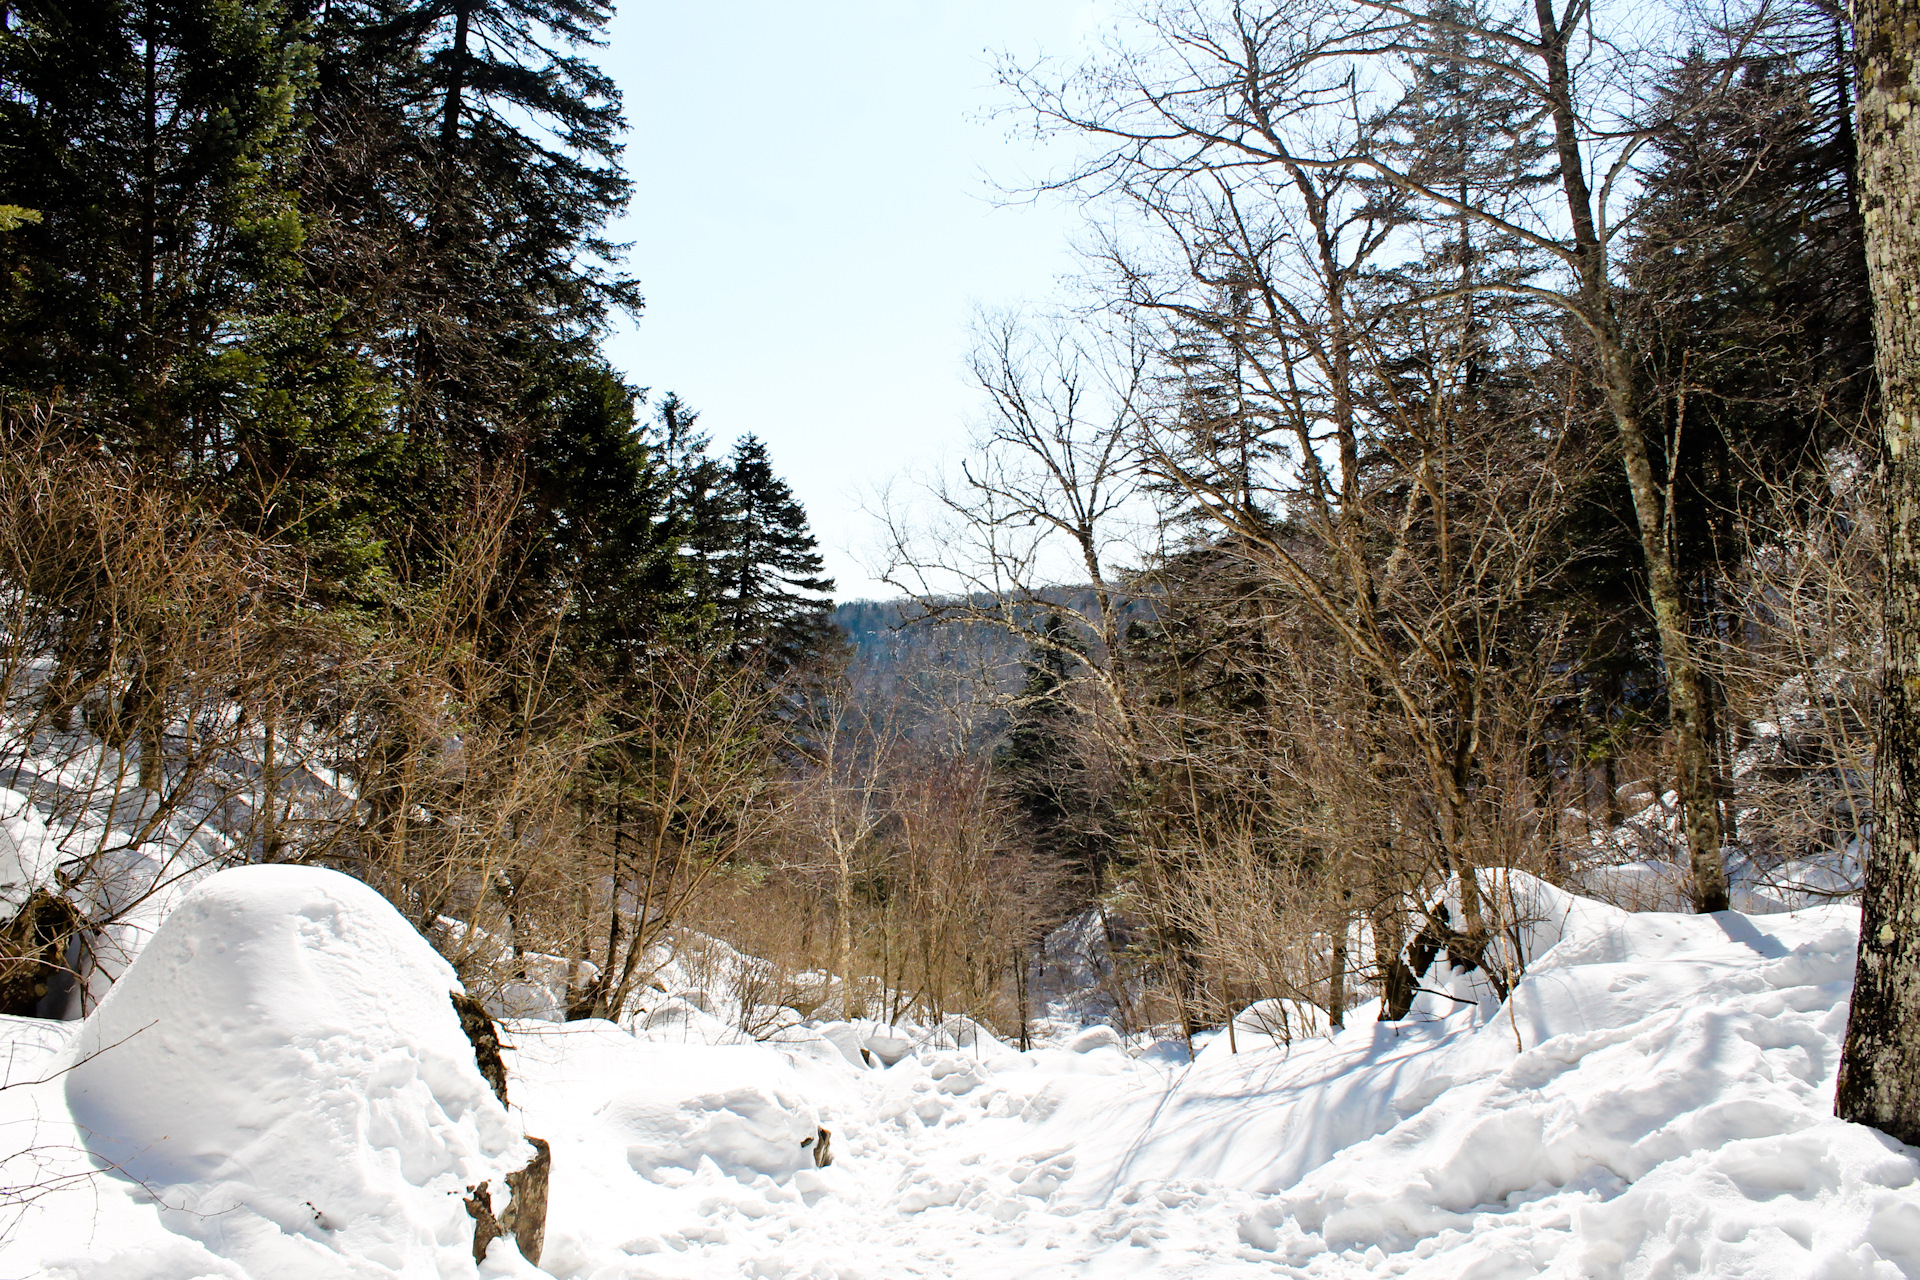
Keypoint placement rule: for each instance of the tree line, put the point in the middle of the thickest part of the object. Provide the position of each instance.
(1469, 455)
(1469, 444)
(326, 512)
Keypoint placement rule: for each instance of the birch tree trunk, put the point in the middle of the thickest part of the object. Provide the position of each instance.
(1880, 1067)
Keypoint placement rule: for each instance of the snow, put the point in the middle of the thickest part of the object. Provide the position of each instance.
(277, 1086)
(1653, 1099)
(28, 855)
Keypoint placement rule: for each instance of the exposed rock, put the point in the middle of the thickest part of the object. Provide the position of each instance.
(525, 1217)
(32, 951)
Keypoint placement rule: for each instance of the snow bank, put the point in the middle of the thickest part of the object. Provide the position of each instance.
(281, 1075)
(1653, 1099)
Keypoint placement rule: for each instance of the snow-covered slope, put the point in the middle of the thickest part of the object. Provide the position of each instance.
(1654, 1100)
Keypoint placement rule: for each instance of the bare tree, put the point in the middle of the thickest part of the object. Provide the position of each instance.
(1213, 93)
(842, 803)
(1050, 500)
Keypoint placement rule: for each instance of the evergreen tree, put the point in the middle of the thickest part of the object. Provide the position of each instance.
(156, 141)
(466, 162)
(1749, 291)
(703, 505)
(602, 520)
(1061, 812)
(767, 581)
(1748, 307)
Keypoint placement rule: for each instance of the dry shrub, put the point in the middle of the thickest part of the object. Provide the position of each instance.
(1799, 664)
(173, 695)
(889, 886)
(680, 790)
(140, 635)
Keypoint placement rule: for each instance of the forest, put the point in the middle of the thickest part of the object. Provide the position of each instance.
(1462, 454)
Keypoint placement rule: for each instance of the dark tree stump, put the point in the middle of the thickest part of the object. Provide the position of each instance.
(526, 1215)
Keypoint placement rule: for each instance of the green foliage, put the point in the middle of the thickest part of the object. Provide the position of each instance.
(156, 139)
(767, 579)
(1749, 288)
(600, 494)
(340, 266)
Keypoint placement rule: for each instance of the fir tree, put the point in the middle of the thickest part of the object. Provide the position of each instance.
(769, 589)
(602, 519)
(1749, 290)
(155, 140)
(478, 149)
(462, 163)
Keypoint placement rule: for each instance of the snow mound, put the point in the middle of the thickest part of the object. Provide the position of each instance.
(1265, 1024)
(282, 1071)
(680, 1021)
(747, 1131)
(1096, 1037)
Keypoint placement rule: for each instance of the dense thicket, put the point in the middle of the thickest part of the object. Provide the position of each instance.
(315, 468)
(1480, 431)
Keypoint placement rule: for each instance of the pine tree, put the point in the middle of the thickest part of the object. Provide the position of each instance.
(602, 523)
(702, 501)
(462, 164)
(1749, 296)
(156, 141)
(1748, 309)
(1463, 129)
(767, 581)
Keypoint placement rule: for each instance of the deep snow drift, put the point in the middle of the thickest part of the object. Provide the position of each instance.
(1654, 1100)
(278, 1086)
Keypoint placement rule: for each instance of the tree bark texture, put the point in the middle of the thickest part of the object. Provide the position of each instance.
(1880, 1066)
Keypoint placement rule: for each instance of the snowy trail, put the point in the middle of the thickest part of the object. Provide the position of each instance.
(1654, 1101)
(943, 1166)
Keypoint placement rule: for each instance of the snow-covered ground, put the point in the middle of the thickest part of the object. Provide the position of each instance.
(279, 1087)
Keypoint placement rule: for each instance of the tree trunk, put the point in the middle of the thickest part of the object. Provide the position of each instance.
(1686, 688)
(1880, 1066)
(1021, 995)
(1397, 979)
(269, 796)
(1687, 694)
(843, 929)
(456, 83)
(1337, 980)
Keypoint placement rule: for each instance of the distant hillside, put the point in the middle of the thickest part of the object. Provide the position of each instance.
(953, 678)
(949, 680)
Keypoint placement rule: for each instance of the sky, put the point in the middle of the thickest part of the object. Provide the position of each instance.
(814, 224)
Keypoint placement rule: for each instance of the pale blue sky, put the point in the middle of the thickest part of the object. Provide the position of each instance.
(813, 225)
